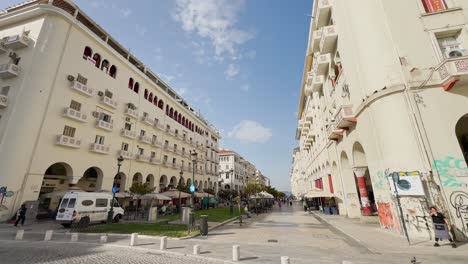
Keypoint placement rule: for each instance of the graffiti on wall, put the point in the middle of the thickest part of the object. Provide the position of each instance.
(381, 182)
(417, 216)
(386, 216)
(459, 201)
(449, 169)
(4, 195)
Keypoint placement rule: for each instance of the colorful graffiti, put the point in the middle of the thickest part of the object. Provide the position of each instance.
(459, 201)
(386, 216)
(381, 182)
(4, 194)
(449, 169)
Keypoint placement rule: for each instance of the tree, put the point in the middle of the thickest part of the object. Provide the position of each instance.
(225, 194)
(252, 188)
(209, 190)
(140, 189)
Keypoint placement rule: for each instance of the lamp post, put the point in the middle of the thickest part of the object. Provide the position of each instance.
(181, 173)
(396, 178)
(110, 214)
(194, 155)
(231, 207)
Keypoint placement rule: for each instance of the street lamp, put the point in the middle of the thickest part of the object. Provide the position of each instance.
(194, 155)
(110, 214)
(231, 208)
(181, 173)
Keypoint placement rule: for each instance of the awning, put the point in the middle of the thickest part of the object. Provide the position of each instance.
(123, 195)
(262, 195)
(318, 193)
(175, 194)
(203, 195)
(156, 196)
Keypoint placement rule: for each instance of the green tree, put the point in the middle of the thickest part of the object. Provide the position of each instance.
(209, 190)
(140, 189)
(252, 188)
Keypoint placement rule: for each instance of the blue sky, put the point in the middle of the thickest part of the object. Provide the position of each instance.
(238, 62)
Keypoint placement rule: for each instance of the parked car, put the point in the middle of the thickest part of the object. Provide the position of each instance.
(83, 208)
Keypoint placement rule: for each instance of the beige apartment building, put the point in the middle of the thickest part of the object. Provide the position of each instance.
(73, 100)
(384, 103)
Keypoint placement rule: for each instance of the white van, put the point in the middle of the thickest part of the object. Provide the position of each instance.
(82, 208)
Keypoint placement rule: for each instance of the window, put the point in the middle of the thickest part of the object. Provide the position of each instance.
(128, 126)
(153, 154)
(108, 93)
(99, 140)
(75, 106)
(161, 104)
(432, 6)
(105, 66)
(130, 83)
(81, 79)
(136, 88)
(71, 203)
(87, 52)
(155, 139)
(113, 71)
(124, 146)
(105, 117)
(166, 143)
(5, 90)
(175, 147)
(145, 95)
(165, 158)
(64, 203)
(142, 133)
(174, 160)
(450, 45)
(141, 151)
(101, 202)
(69, 131)
(227, 167)
(97, 60)
(150, 97)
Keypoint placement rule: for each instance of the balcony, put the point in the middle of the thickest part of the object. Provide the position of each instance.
(145, 139)
(310, 137)
(126, 154)
(3, 101)
(170, 132)
(157, 144)
(344, 118)
(329, 39)
(70, 142)
(9, 70)
(321, 64)
(128, 134)
(308, 86)
(75, 115)
(168, 148)
(109, 102)
(324, 9)
(160, 126)
(317, 83)
(175, 166)
(155, 161)
(178, 152)
(131, 113)
(81, 88)
(316, 37)
(17, 41)
(3, 49)
(333, 133)
(453, 71)
(98, 148)
(165, 163)
(104, 125)
(147, 120)
(143, 158)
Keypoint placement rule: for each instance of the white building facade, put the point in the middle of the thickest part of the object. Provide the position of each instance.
(385, 93)
(73, 100)
(232, 170)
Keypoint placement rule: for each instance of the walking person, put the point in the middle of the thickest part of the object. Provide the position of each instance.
(21, 214)
(441, 227)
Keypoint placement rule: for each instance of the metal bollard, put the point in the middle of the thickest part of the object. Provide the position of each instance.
(196, 249)
(235, 253)
(204, 225)
(74, 237)
(134, 239)
(103, 239)
(48, 235)
(163, 244)
(19, 235)
(284, 260)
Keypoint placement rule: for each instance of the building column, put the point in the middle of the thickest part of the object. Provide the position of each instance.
(360, 172)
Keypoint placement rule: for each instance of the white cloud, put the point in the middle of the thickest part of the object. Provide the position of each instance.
(231, 71)
(251, 131)
(215, 20)
(245, 87)
(126, 12)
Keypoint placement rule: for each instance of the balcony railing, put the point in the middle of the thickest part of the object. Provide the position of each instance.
(104, 125)
(168, 148)
(143, 158)
(147, 120)
(175, 166)
(324, 9)
(321, 64)
(160, 126)
(81, 88)
(316, 37)
(126, 154)
(66, 141)
(128, 133)
(145, 139)
(170, 132)
(178, 152)
(333, 133)
(155, 161)
(131, 113)
(9, 70)
(17, 41)
(329, 39)
(75, 115)
(98, 148)
(453, 71)
(109, 102)
(157, 144)
(317, 83)
(165, 163)
(344, 117)
(3, 101)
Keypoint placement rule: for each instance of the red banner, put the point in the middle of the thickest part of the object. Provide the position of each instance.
(434, 5)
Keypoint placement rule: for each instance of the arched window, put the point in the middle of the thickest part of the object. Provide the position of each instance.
(155, 100)
(183, 120)
(136, 88)
(113, 71)
(150, 98)
(88, 52)
(105, 66)
(461, 131)
(130, 83)
(167, 109)
(179, 119)
(145, 95)
(171, 112)
(97, 59)
(161, 104)
(175, 116)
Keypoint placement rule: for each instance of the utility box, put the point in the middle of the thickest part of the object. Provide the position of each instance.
(204, 225)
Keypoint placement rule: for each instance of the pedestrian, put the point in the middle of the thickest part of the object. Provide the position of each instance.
(21, 214)
(304, 204)
(279, 204)
(441, 229)
(290, 202)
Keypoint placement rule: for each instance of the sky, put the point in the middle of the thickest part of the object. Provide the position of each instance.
(239, 62)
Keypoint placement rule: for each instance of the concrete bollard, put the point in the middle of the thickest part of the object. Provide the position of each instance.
(103, 239)
(134, 239)
(19, 235)
(235, 253)
(74, 237)
(196, 249)
(163, 244)
(284, 260)
(48, 235)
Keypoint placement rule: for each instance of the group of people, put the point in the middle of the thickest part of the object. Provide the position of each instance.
(287, 202)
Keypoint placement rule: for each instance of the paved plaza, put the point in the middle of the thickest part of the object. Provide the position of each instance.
(305, 238)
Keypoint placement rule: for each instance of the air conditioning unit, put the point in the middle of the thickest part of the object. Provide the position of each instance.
(455, 52)
(127, 119)
(95, 114)
(100, 93)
